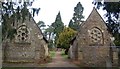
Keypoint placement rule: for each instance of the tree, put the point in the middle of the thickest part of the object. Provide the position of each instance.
(77, 17)
(113, 11)
(65, 37)
(71, 24)
(12, 12)
(49, 32)
(41, 25)
(112, 15)
(58, 26)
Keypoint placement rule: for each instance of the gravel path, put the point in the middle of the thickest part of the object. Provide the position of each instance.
(59, 61)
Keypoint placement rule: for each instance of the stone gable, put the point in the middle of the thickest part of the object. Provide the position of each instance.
(93, 42)
(28, 45)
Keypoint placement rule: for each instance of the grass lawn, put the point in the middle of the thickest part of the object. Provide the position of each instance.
(64, 55)
(52, 54)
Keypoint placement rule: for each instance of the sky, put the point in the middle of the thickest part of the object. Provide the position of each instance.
(50, 8)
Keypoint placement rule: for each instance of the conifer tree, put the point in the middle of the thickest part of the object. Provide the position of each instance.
(77, 17)
(58, 26)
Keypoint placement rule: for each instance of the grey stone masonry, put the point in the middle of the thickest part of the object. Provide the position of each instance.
(28, 44)
(92, 45)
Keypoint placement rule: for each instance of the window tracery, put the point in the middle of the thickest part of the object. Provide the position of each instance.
(95, 35)
(23, 34)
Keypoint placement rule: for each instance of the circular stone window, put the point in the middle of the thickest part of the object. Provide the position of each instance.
(22, 34)
(95, 36)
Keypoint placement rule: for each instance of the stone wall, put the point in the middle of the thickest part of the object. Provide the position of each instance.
(73, 51)
(17, 53)
(96, 45)
(93, 42)
(27, 46)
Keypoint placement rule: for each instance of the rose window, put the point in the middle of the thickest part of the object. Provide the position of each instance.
(22, 34)
(95, 36)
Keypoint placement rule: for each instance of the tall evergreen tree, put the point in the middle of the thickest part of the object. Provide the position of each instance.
(58, 25)
(71, 24)
(77, 17)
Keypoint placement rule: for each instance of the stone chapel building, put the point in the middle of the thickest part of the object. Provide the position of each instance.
(91, 46)
(29, 44)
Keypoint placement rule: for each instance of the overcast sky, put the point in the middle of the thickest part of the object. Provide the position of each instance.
(50, 8)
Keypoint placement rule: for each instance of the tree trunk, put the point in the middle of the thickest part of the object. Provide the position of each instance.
(49, 36)
(66, 51)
